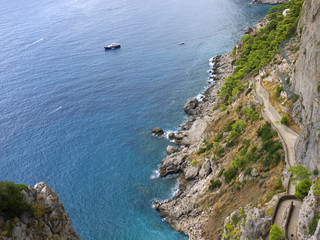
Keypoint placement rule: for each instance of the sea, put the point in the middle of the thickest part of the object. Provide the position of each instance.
(80, 118)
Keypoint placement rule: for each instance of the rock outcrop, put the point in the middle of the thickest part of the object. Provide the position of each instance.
(306, 86)
(157, 131)
(190, 106)
(48, 221)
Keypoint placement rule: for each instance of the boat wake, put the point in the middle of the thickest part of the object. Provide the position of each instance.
(35, 42)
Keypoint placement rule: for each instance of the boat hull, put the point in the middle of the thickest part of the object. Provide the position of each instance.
(110, 48)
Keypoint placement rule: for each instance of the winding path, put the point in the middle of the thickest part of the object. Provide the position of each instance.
(288, 138)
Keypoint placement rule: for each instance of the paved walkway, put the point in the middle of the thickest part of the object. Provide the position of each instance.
(289, 138)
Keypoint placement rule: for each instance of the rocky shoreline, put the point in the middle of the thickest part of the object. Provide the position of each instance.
(179, 212)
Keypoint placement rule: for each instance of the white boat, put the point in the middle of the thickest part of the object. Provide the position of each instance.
(181, 43)
(112, 46)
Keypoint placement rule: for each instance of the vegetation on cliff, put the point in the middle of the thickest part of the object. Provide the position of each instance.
(12, 200)
(255, 52)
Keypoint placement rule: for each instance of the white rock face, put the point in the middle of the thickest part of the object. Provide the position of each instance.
(306, 215)
(305, 83)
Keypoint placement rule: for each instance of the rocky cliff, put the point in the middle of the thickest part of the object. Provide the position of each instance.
(47, 221)
(306, 86)
(226, 194)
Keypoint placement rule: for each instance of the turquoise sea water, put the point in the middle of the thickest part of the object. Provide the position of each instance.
(79, 117)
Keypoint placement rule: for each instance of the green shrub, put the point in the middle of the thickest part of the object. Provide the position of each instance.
(202, 150)
(278, 91)
(214, 184)
(219, 151)
(223, 107)
(237, 129)
(299, 173)
(276, 232)
(316, 187)
(229, 226)
(228, 127)
(220, 173)
(314, 224)
(244, 150)
(284, 120)
(250, 114)
(194, 163)
(248, 91)
(318, 88)
(265, 132)
(218, 137)
(238, 163)
(230, 174)
(235, 219)
(248, 171)
(295, 98)
(303, 188)
(12, 200)
(239, 108)
(269, 211)
(209, 146)
(315, 172)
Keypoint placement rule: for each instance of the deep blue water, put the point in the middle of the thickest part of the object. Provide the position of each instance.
(79, 117)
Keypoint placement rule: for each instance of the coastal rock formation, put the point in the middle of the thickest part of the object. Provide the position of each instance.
(157, 131)
(306, 86)
(173, 163)
(211, 206)
(307, 211)
(49, 220)
(180, 212)
(190, 105)
(270, 2)
(171, 149)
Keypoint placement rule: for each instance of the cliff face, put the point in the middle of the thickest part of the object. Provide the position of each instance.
(306, 86)
(48, 221)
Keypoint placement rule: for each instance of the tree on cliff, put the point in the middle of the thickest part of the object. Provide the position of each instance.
(276, 232)
(12, 200)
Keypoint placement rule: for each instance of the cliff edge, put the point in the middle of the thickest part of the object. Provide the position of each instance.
(46, 219)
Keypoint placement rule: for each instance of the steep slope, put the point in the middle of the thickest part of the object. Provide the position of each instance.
(306, 86)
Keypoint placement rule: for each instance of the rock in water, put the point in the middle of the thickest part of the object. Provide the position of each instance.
(191, 104)
(171, 135)
(157, 131)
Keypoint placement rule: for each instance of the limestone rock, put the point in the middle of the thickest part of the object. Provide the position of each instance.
(205, 169)
(173, 163)
(305, 83)
(190, 105)
(171, 149)
(191, 172)
(254, 172)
